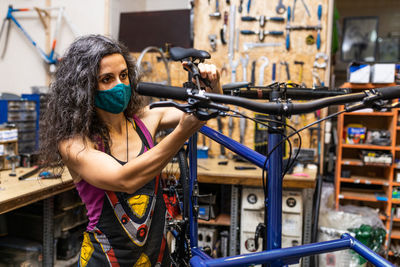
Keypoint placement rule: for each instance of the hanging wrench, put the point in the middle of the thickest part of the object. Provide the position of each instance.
(280, 8)
(262, 68)
(234, 65)
(245, 61)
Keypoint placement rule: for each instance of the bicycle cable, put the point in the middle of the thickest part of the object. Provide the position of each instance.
(289, 163)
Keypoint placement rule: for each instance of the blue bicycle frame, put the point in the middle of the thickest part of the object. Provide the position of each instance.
(274, 255)
(50, 58)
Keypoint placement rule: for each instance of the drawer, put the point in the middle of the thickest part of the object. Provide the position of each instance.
(21, 116)
(26, 126)
(21, 105)
(26, 136)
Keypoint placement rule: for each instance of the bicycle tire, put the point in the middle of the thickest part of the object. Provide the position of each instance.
(181, 254)
(184, 181)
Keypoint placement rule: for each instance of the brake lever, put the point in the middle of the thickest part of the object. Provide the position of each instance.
(193, 107)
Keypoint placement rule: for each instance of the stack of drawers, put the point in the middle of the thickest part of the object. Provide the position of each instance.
(23, 114)
(252, 213)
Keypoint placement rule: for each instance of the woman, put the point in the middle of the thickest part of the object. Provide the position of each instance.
(97, 126)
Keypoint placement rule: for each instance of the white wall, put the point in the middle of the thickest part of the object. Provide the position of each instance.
(22, 67)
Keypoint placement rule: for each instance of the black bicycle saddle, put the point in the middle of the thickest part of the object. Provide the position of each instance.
(179, 53)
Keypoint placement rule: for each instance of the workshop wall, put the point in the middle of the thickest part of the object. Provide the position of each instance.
(22, 67)
(299, 50)
(205, 25)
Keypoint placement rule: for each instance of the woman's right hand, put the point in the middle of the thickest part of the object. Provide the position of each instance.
(190, 124)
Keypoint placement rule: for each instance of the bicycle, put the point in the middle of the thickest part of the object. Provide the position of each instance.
(208, 105)
(50, 58)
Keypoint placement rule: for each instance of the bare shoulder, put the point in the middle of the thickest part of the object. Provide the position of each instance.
(73, 146)
(151, 118)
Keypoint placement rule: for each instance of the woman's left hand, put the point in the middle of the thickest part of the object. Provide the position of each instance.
(210, 73)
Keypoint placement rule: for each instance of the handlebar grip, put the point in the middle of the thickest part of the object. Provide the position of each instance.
(288, 13)
(287, 41)
(248, 18)
(247, 32)
(275, 33)
(319, 12)
(161, 91)
(391, 92)
(277, 18)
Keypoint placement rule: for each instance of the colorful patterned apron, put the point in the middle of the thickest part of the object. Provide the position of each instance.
(125, 229)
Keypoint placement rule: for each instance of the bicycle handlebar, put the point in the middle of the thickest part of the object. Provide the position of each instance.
(287, 109)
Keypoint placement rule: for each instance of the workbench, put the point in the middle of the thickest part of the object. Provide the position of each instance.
(15, 193)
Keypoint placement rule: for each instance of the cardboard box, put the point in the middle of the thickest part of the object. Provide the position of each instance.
(359, 73)
(383, 73)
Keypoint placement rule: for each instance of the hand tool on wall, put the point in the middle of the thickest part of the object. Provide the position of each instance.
(261, 34)
(242, 129)
(299, 27)
(280, 8)
(319, 13)
(248, 46)
(253, 73)
(284, 63)
(237, 40)
(220, 127)
(212, 38)
(262, 19)
(248, 6)
(233, 65)
(231, 43)
(293, 9)
(319, 65)
(265, 63)
(245, 62)
(306, 8)
(301, 63)
(223, 30)
(273, 72)
(240, 6)
(216, 14)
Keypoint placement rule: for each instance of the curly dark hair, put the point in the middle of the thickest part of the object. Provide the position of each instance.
(70, 107)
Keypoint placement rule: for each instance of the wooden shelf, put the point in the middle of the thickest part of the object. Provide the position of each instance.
(395, 234)
(222, 219)
(359, 162)
(396, 200)
(353, 195)
(366, 146)
(359, 187)
(368, 113)
(7, 142)
(365, 180)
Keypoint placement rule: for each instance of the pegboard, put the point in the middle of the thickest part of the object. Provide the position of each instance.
(206, 25)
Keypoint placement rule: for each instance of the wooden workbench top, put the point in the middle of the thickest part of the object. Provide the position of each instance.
(15, 193)
(209, 171)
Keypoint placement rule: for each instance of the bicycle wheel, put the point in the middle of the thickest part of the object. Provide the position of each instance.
(180, 247)
(153, 66)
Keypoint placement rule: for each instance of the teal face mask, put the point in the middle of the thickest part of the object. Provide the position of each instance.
(114, 100)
